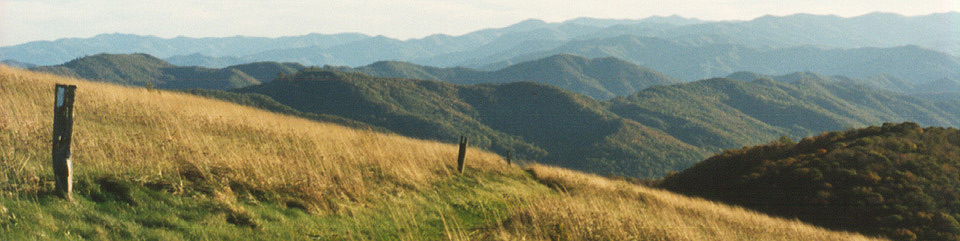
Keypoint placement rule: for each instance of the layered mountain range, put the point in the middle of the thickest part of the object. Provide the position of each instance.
(688, 49)
(658, 127)
(146, 70)
(648, 133)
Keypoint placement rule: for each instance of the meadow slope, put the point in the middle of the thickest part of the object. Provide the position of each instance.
(160, 165)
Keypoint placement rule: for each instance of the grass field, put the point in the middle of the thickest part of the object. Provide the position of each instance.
(159, 165)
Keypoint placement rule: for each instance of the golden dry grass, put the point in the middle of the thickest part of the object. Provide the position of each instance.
(597, 208)
(149, 136)
(154, 135)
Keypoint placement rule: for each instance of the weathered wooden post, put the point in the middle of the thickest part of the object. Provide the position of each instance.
(463, 153)
(62, 133)
(508, 158)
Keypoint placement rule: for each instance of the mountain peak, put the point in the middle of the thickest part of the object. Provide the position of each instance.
(672, 19)
(526, 25)
(887, 15)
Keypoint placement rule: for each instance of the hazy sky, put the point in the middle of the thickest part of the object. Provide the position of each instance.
(28, 20)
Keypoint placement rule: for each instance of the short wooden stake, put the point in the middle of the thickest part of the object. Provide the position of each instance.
(508, 157)
(463, 153)
(62, 134)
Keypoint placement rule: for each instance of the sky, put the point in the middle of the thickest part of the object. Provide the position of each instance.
(30, 20)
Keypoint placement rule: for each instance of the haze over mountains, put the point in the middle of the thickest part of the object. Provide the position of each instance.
(688, 49)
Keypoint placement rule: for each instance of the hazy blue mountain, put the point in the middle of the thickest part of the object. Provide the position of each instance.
(943, 85)
(603, 23)
(690, 62)
(601, 78)
(18, 64)
(438, 50)
(888, 82)
(934, 31)
(858, 47)
(197, 59)
(63, 50)
(146, 70)
(352, 54)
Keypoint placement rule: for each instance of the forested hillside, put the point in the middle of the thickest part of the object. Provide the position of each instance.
(532, 121)
(146, 70)
(647, 134)
(896, 180)
(600, 78)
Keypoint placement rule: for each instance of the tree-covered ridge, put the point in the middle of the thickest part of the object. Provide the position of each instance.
(934, 88)
(694, 61)
(600, 78)
(532, 121)
(896, 180)
(721, 113)
(146, 70)
(647, 134)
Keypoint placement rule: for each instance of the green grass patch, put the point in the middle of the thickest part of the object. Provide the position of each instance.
(114, 208)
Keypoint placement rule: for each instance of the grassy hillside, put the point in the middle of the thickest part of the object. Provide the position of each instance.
(896, 180)
(146, 70)
(168, 166)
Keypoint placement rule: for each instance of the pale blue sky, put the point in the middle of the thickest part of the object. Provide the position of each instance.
(29, 20)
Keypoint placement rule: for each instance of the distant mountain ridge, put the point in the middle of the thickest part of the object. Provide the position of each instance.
(600, 78)
(18, 64)
(879, 30)
(941, 89)
(692, 62)
(63, 50)
(197, 59)
(146, 70)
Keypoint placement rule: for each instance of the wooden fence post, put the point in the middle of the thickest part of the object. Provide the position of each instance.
(508, 158)
(62, 133)
(463, 152)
